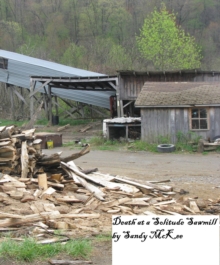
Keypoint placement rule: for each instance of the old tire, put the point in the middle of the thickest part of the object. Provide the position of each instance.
(165, 148)
(216, 137)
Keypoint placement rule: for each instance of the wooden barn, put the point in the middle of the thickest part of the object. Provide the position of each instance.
(169, 108)
(131, 83)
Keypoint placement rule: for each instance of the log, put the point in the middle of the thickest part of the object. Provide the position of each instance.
(2, 128)
(42, 181)
(7, 132)
(63, 127)
(86, 128)
(136, 184)
(5, 143)
(84, 151)
(24, 160)
(69, 262)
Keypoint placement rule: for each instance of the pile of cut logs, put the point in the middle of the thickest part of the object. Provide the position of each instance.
(54, 191)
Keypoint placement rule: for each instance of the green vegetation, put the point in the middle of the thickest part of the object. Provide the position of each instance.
(63, 122)
(28, 250)
(185, 142)
(103, 237)
(99, 35)
(9, 123)
(165, 44)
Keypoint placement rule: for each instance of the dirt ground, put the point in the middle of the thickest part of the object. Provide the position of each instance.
(196, 173)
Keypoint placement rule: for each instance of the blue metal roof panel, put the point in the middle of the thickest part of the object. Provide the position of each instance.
(47, 64)
(22, 67)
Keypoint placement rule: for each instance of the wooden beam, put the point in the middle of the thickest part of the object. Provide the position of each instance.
(19, 96)
(128, 104)
(12, 103)
(39, 88)
(56, 105)
(32, 86)
(65, 110)
(50, 104)
(118, 101)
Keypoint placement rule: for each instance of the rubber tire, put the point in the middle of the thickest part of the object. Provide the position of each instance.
(216, 137)
(166, 148)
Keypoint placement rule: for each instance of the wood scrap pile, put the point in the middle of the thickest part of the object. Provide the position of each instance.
(54, 191)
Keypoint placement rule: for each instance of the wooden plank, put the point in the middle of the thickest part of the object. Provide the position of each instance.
(136, 184)
(69, 262)
(24, 160)
(165, 211)
(39, 88)
(164, 202)
(97, 192)
(63, 127)
(24, 220)
(193, 206)
(2, 128)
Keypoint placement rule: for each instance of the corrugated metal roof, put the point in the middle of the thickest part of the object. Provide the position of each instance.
(22, 67)
(156, 94)
(51, 66)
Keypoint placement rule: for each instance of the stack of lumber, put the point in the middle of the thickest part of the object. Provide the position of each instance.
(18, 150)
(21, 154)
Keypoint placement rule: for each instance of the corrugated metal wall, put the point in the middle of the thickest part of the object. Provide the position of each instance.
(167, 122)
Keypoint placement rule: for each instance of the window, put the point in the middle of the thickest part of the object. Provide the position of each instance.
(3, 63)
(199, 119)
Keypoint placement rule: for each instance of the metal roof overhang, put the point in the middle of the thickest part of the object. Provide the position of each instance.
(94, 83)
(94, 90)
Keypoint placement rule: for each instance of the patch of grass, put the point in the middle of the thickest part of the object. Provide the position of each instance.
(187, 141)
(10, 122)
(69, 144)
(28, 250)
(103, 237)
(63, 122)
(101, 143)
(142, 146)
(78, 248)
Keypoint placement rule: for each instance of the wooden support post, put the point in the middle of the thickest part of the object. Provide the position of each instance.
(50, 104)
(12, 103)
(22, 103)
(118, 100)
(122, 110)
(56, 105)
(32, 86)
(126, 132)
(45, 105)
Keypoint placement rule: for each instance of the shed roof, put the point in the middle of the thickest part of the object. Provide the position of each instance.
(22, 67)
(176, 94)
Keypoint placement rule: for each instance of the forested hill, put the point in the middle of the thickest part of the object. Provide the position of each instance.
(100, 35)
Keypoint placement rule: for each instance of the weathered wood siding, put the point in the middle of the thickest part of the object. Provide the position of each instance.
(167, 122)
(130, 85)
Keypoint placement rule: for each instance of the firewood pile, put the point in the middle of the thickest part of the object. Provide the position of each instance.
(51, 192)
